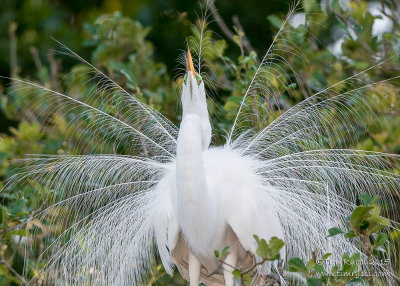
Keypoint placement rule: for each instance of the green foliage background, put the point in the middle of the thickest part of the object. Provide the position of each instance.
(137, 43)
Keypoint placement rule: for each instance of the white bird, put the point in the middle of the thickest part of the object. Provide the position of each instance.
(192, 198)
(209, 198)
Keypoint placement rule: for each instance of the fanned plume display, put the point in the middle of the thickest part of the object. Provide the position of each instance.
(110, 204)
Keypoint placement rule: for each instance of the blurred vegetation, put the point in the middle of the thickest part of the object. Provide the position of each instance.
(363, 223)
(137, 47)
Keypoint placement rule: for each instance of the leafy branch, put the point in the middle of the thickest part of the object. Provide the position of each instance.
(266, 251)
(364, 225)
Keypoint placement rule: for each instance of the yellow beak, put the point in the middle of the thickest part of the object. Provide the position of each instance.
(190, 64)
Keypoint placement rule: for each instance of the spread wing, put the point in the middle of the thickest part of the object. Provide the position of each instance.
(101, 115)
(314, 181)
(101, 208)
(102, 203)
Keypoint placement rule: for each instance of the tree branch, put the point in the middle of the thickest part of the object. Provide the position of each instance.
(12, 28)
(246, 43)
(224, 28)
(11, 269)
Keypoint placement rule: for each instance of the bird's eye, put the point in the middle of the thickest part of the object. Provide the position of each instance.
(198, 78)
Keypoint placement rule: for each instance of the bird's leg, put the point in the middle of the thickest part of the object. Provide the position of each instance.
(230, 262)
(194, 270)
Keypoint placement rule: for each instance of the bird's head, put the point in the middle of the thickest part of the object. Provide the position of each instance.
(194, 103)
(193, 92)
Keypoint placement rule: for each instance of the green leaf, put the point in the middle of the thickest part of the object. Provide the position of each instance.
(377, 222)
(350, 263)
(350, 234)
(380, 240)
(216, 253)
(247, 279)
(224, 251)
(310, 265)
(275, 21)
(275, 245)
(334, 231)
(126, 70)
(360, 214)
(326, 256)
(297, 265)
(256, 238)
(381, 222)
(236, 273)
(270, 250)
(219, 47)
(262, 248)
(319, 268)
(314, 282)
(18, 207)
(366, 198)
(236, 39)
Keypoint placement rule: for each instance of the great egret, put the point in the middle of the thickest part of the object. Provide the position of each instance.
(209, 199)
(193, 199)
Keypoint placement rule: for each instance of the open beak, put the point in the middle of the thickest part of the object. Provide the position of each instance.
(190, 64)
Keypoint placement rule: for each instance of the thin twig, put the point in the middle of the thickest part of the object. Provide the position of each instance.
(255, 265)
(54, 68)
(246, 43)
(11, 269)
(224, 28)
(271, 278)
(13, 49)
(35, 56)
(368, 249)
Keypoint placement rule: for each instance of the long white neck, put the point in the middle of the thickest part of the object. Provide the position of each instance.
(196, 207)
